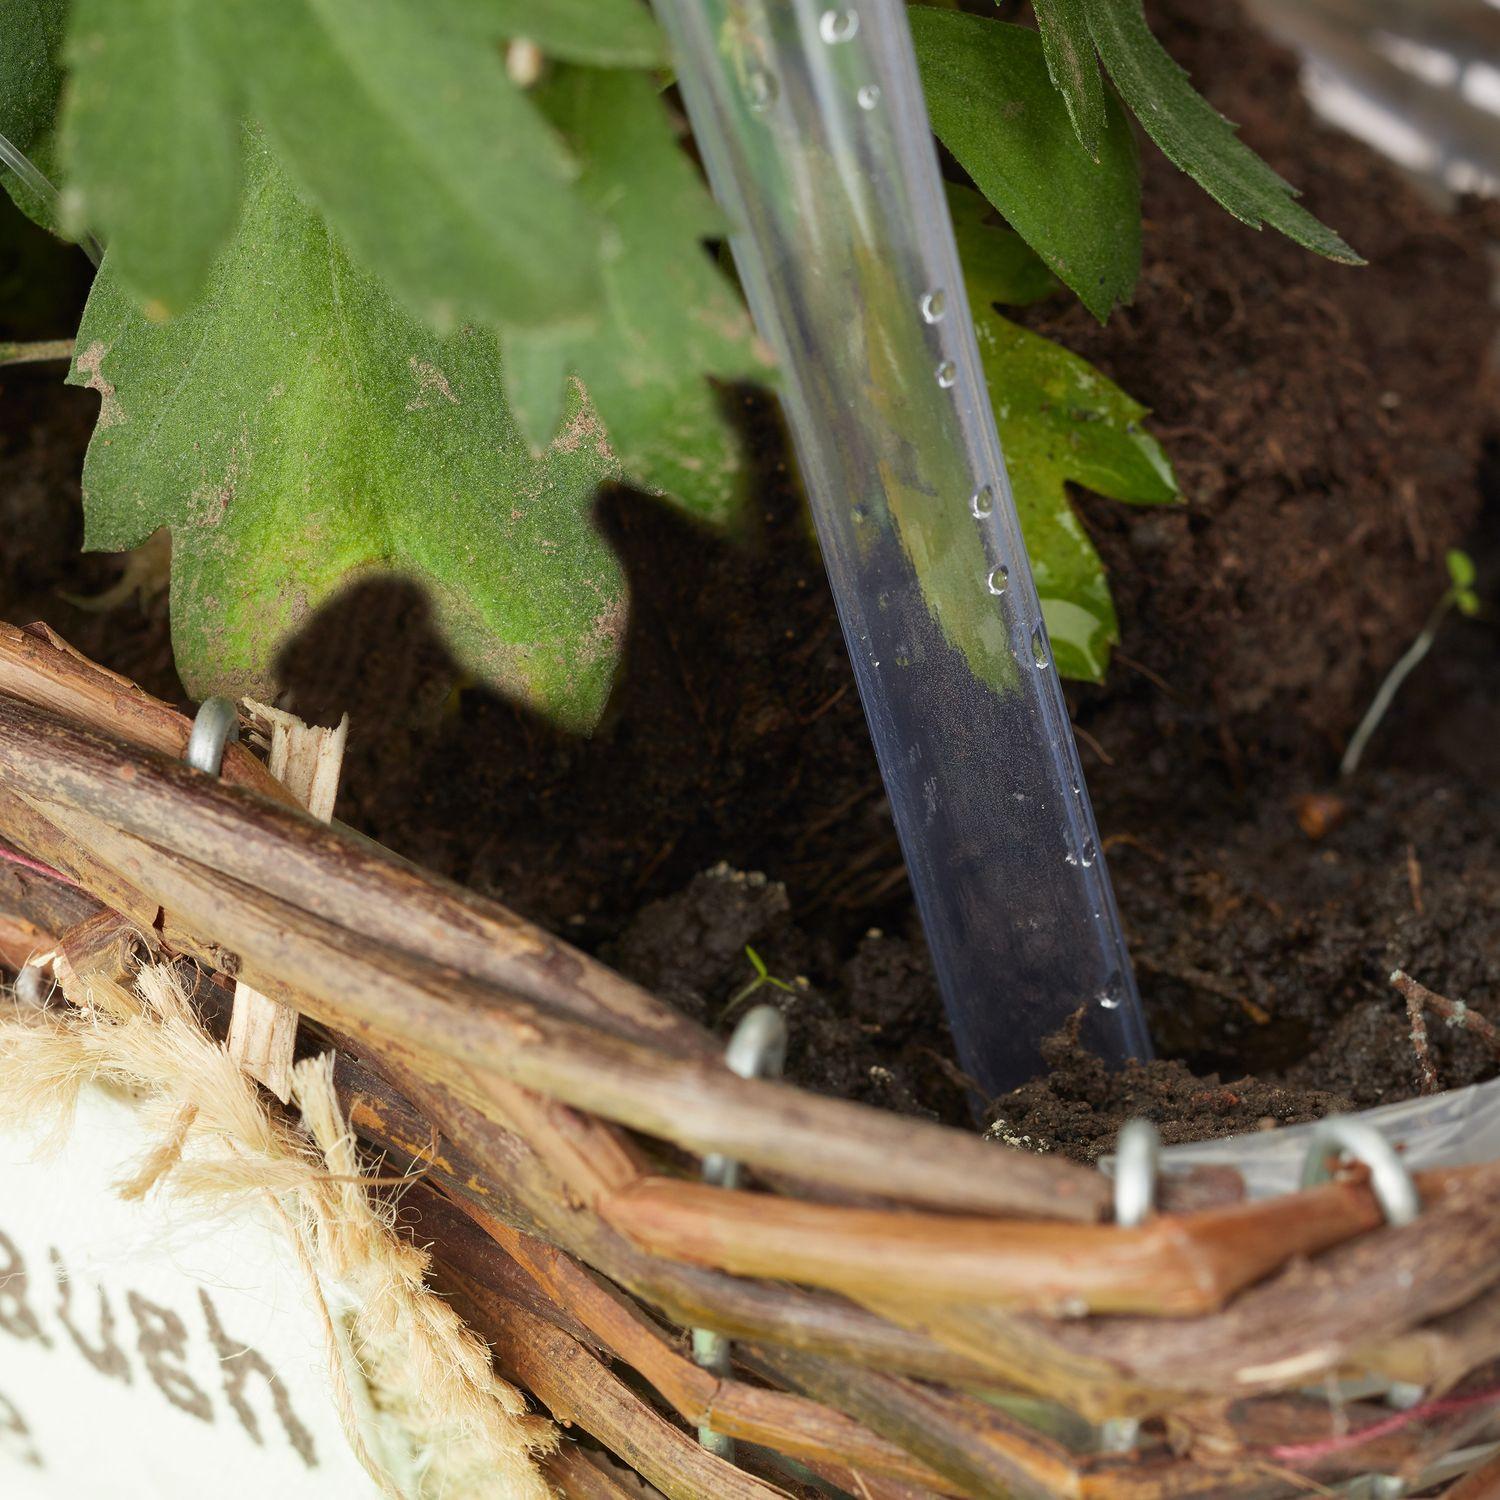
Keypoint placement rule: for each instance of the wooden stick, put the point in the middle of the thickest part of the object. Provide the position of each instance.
(1304, 1323)
(1169, 1265)
(576, 1477)
(106, 945)
(307, 761)
(576, 1388)
(35, 912)
(1437, 1355)
(985, 1451)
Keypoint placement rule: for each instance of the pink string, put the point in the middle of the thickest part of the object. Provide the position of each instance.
(14, 857)
(1295, 1453)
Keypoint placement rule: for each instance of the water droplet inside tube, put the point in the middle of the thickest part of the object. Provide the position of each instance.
(933, 305)
(946, 374)
(982, 502)
(1039, 647)
(836, 26)
(869, 96)
(761, 90)
(998, 581)
(1112, 996)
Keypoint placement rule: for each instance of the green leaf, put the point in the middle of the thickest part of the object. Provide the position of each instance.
(994, 257)
(671, 318)
(151, 142)
(993, 106)
(425, 158)
(1061, 421)
(1073, 67)
(1461, 571)
(607, 33)
(296, 429)
(30, 86)
(1194, 135)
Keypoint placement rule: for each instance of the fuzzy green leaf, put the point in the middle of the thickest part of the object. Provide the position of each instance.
(1061, 421)
(296, 429)
(1073, 66)
(1194, 135)
(606, 33)
(671, 318)
(151, 143)
(30, 86)
(424, 157)
(993, 106)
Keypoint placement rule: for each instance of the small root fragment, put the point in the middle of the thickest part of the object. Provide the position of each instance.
(1427, 1076)
(1454, 1012)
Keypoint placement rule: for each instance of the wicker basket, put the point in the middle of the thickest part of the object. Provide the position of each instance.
(912, 1311)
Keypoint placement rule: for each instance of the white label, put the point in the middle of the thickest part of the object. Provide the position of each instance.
(147, 1351)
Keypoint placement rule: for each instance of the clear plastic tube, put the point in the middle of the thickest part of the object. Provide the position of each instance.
(27, 170)
(810, 118)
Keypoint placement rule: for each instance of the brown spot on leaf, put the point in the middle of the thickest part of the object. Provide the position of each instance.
(429, 379)
(607, 628)
(89, 363)
(583, 427)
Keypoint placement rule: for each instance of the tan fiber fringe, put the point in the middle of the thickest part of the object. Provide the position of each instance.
(398, 1354)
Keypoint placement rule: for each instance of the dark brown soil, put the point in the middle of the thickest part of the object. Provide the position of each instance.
(1327, 426)
(1325, 423)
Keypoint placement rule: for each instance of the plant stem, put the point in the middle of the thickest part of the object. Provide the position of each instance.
(32, 354)
(739, 998)
(1398, 674)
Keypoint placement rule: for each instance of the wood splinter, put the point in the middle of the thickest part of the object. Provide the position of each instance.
(307, 761)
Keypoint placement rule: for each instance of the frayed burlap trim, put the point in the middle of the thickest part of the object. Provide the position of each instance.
(400, 1358)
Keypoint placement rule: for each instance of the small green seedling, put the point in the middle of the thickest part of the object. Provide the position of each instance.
(763, 977)
(1459, 595)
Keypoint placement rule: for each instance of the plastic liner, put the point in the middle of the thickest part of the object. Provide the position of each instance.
(811, 122)
(1452, 1129)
